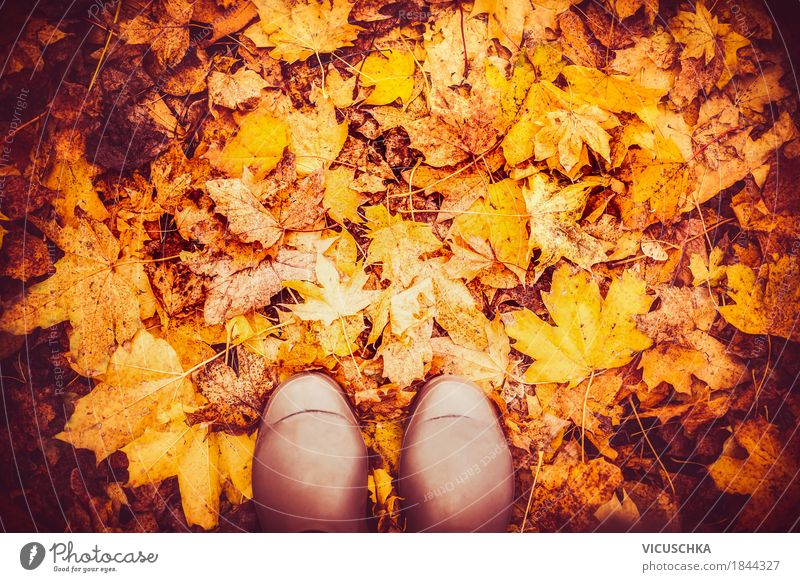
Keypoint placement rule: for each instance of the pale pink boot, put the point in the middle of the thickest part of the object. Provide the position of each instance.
(456, 472)
(310, 462)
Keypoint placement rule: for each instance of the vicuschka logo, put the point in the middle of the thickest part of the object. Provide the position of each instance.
(31, 555)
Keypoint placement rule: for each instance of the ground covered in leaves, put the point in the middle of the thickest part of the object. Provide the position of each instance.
(588, 208)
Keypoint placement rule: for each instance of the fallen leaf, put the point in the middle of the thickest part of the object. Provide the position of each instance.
(760, 462)
(591, 333)
(391, 74)
(298, 29)
(258, 146)
(103, 295)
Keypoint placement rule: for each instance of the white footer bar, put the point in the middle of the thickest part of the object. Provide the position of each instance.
(401, 557)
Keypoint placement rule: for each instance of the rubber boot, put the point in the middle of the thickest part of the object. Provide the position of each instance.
(456, 472)
(310, 462)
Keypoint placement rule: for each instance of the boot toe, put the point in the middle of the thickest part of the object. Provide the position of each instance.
(310, 463)
(306, 392)
(456, 471)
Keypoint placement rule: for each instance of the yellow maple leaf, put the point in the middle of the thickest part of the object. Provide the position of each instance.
(590, 333)
(487, 367)
(204, 462)
(683, 347)
(541, 98)
(707, 360)
(560, 125)
(406, 347)
(616, 93)
(298, 29)
(258, 145)
(391, 73)
(707, 272)
(703, 35)
(457, 311)
(697, 31)
(511, 92)
(565, 131)
(406, 356)
(553, 215)
(397, 244)
(340, 200)
(316, 137)
(103, 295)
(766, 302)
(661, 177)
(506, 19)
(73, 179)
(331, 299)
(143, 387)
(501, 218)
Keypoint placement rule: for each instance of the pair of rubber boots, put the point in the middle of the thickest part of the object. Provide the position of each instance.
(310, 464)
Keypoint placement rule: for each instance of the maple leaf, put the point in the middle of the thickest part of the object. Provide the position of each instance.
(506, 19)
(661, 177)
(684, 348)
(386, 438)
(397, 244)
(591, 333)
(340, 199)
(103, 295)
(591, 405)
(708, 272)
(144, 386)
(316, 137)
(755, 92)
(703, 35)
(72, 176)
(298, 29)
(616, 93)
(241, 90)
(457, 311)
(553, 214)
(258, 146)
(246, 216)
(541, 98)
(564, 132)
(460, 122)
(486, 367)
(165, 31)
(459, 188)
(391, 73)
(331, 299)
(510, 93)
(450, 45)
(241, 286)
(235, 398)
(765, 302)
(203, 463)
(501, 218)
(648, 61)
(764, 468)
(539, 431)
(459, 126)
(719, 168)
(384, 497)
(569, 491)
(406, 348)
(560, 126)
